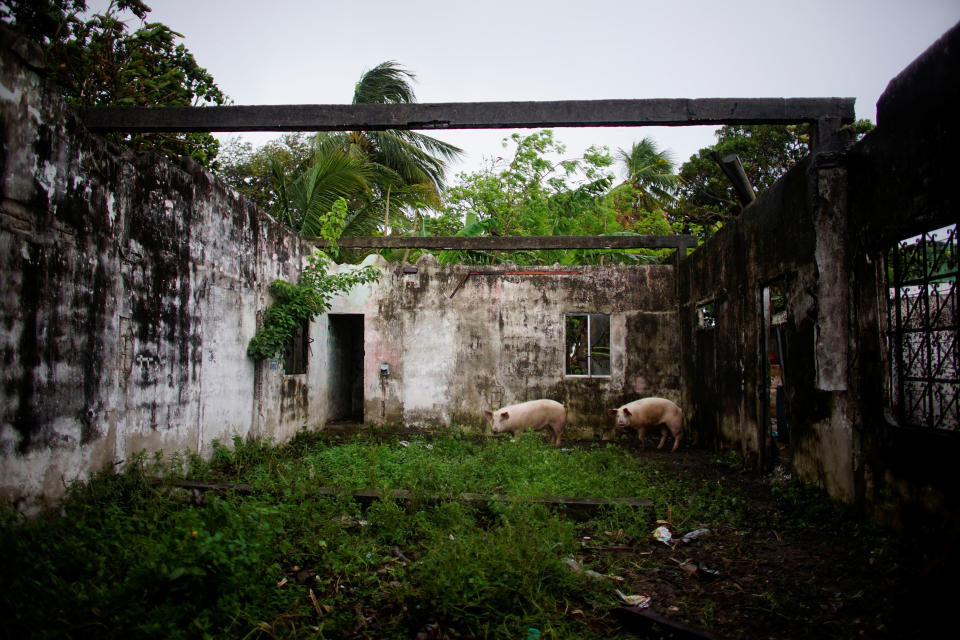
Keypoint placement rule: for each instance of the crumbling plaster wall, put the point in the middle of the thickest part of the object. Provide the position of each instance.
(792, 234)
(500, 340)
(903, 180)
(824, 229)
(130, 289)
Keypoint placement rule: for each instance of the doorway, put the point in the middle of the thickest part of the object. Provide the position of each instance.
(776, 436)
(345, 367)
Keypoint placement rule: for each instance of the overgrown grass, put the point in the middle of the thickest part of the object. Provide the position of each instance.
(124, 558)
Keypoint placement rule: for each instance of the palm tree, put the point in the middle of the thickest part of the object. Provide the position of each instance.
(408, 166)
(332, 173)
(650, 176)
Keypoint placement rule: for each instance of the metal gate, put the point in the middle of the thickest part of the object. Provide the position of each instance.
(922, 316)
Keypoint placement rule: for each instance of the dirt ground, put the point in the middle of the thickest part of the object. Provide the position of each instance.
(794, 570)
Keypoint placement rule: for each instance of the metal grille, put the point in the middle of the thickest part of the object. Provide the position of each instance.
(922, 308)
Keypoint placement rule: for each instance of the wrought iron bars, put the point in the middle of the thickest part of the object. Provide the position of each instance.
(922, 317)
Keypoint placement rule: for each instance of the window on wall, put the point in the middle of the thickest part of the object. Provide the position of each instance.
(295, 355)
(588, 344)
(707, 316)
(922, 340)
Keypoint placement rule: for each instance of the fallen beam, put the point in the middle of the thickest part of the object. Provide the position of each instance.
(647, 624)
(514, 243)
(470, 115)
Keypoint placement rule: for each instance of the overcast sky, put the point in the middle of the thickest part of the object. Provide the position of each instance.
(314, 51)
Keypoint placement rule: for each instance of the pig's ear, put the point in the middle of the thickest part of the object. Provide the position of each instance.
(613, 412)
(489, 414)
(626, 412)
(505, 415)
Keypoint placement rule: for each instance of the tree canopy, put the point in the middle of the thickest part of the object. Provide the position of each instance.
(706, 197)
(98, 61)
(539, 191)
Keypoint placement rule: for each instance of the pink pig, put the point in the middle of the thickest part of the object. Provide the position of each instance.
(535, 414)
(651, 412)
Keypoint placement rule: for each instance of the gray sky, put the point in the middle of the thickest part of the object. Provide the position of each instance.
(313, 52)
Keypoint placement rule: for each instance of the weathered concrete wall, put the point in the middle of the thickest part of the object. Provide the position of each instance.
(132, 286)
(903, 180)
(792, 235)
(130, 289)
(500, 340)
(822, 233)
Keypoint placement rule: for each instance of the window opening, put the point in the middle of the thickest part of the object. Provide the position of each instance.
(922, 337)
(588, 344)
(707, 316)
(295, 353)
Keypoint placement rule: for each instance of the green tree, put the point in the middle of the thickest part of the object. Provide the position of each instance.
(650, 179)
(705, 195)
(250, 171)
(97, 61)
(533, 194)
(409, 167)
(388, 178)
(333, 173)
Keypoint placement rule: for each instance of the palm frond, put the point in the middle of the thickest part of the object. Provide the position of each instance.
(386, 83)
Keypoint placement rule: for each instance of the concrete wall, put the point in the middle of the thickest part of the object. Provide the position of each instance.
(131, 287)
(822, 233)
(500, 340)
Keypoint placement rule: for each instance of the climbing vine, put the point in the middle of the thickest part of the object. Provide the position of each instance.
(296, 303)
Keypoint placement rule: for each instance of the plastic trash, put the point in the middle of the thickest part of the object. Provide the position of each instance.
(693, 535)
(635, 600)
(663, 535)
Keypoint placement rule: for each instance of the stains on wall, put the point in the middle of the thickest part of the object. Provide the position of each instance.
(131, 287)
(500, 340)
(822, 233)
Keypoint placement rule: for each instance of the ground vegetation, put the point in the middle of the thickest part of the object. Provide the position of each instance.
(258, 553)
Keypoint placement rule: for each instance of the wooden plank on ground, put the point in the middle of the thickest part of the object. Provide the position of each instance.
(366, 496)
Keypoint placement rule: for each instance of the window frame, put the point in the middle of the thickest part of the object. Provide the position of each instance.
(296, 353)
(590, 315)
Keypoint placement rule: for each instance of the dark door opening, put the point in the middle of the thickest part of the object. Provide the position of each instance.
(346, 367)
(776, 434)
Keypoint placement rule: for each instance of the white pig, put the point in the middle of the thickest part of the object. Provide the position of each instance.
(535, 414)
(651, 412)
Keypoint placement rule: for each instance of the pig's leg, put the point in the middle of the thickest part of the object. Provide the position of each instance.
(676, 428)
(663, 436)
(641, 435)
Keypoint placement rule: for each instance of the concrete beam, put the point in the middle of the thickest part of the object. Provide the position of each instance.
(515, 243)
(470, 115)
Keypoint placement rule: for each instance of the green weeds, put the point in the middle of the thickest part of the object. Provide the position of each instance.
(127, 557)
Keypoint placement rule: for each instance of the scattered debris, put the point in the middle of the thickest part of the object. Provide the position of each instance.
(693, 535)
(639, 601)
(663, 535)
(576, 567)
